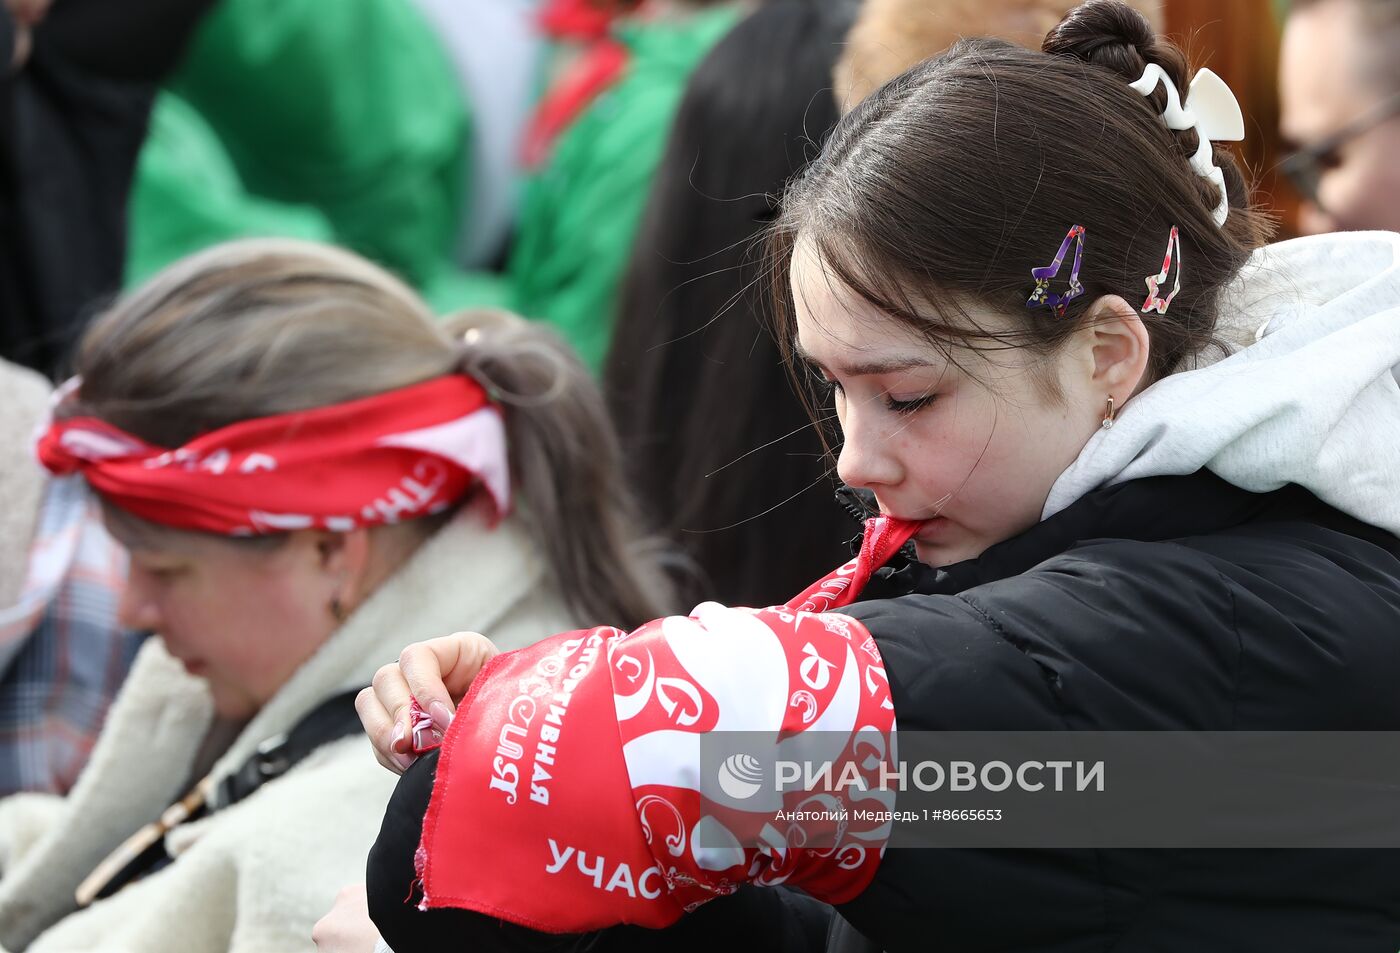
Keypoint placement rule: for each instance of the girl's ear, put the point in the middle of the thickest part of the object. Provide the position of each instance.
(1119, 345)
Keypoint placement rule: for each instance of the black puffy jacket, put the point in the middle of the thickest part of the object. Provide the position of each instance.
(1166, 603)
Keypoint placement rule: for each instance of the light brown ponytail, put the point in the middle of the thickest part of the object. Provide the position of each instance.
(567, 468)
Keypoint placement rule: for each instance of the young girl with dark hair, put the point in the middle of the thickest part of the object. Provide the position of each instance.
(1149, 469)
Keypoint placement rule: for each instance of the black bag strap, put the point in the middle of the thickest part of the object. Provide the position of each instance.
(333, 719)
(144, 852)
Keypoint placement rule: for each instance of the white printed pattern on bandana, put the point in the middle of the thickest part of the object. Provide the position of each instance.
(677, 678)
(476, 442)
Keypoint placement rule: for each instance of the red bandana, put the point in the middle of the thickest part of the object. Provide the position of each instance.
(382, 459)
(567, 797)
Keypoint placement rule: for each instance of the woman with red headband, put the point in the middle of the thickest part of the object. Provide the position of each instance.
(307, 471)
(1149, 469)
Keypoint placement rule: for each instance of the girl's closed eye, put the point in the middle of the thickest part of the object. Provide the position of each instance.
(909, 406)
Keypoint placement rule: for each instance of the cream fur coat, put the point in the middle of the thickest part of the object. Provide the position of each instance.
(24, 396)
(257, 875)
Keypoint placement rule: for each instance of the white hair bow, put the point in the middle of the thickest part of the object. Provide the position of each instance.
(1214, 114)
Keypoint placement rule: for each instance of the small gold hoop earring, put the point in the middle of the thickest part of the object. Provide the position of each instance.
(1108, 419)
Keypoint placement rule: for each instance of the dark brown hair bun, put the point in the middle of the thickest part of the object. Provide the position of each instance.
(1112, 35)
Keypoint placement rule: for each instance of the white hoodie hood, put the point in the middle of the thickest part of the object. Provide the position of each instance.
(1307, 395)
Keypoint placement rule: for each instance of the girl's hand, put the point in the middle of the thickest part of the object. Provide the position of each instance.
(347, 928)
(438, 673)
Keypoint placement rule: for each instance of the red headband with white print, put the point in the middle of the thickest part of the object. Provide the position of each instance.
(383, 459)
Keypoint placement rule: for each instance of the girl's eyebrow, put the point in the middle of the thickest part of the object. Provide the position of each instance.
(885, 365)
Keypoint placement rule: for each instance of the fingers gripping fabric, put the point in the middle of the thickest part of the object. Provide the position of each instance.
(568, 795)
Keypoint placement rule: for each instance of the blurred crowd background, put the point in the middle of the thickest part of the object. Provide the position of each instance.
(491, 152)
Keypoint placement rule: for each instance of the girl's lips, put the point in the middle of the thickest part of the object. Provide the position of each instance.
(194, 666)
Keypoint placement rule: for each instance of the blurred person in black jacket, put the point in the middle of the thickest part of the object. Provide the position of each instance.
(719, 446)
(73, 112)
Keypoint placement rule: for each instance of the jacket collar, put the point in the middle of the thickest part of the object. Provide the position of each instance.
(1149, 510)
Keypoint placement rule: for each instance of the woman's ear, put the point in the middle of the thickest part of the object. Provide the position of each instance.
(1120, 347)
(344, 559)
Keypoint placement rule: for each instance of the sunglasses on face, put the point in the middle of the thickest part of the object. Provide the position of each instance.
(1305, 166)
